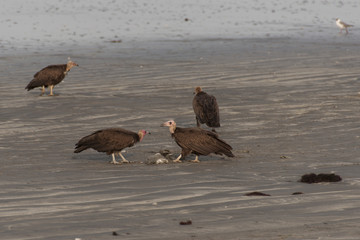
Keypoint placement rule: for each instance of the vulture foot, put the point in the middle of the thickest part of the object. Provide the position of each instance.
(178, 159)
(115, 162)
(196, 160)
(123, 158)
(42, 90)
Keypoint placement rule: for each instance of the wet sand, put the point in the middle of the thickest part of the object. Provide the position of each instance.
(287, 107)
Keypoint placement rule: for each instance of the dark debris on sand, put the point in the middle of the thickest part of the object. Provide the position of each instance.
(297, 193)
(257, 194)
(187, 222)
(322, 177)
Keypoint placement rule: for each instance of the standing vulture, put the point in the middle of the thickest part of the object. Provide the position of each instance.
(50, 76)
(206, 109)
(198, 141)
(111, 141)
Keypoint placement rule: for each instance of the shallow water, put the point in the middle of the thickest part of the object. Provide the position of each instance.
(33, 26)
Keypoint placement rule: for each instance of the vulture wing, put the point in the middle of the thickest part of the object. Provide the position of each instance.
(206, 109)
(108, 140)
(201, 141)
(50, 75)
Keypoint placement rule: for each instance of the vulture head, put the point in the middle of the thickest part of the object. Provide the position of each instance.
(197, 90)
(70, 64)
(142, 134)
(171, 124)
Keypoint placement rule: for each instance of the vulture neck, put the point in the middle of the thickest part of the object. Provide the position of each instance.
(141, 135)
(172, 128)
(68, 67)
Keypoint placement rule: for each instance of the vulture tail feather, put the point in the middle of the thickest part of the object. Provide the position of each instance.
(31, 85)
(80, 149)
(85, 143)
(225, 148)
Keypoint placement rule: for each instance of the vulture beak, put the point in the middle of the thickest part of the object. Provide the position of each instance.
(166, 124)
(147, 132)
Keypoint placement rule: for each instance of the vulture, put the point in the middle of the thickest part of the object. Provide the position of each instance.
(50, 76)
(343, 25)
(206, 109)
(111, 141)
(197, 141)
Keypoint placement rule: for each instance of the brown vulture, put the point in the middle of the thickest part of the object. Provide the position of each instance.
(197, 141)
(50, 76)
(111, 141)
(206, 109)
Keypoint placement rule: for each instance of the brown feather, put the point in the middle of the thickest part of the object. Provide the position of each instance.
(200, 142)
(206, 109)
(108, 140)
(50, 75)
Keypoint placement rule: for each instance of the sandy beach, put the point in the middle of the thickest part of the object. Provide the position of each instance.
(287, 107)
(287, 84)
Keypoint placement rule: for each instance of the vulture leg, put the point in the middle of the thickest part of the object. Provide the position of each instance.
(197, 122)
(51, 90)
(196, 160)
(123, 159)
(178, 159)
(113, 159)
(42, 90)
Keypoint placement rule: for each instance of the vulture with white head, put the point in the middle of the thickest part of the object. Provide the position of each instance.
(197, 141)
(50, 76)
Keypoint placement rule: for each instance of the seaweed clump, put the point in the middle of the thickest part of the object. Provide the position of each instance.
(322, 177)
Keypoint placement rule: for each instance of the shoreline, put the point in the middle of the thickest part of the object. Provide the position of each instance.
(119, 45)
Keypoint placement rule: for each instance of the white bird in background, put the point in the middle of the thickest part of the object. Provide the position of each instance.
(343, 25)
